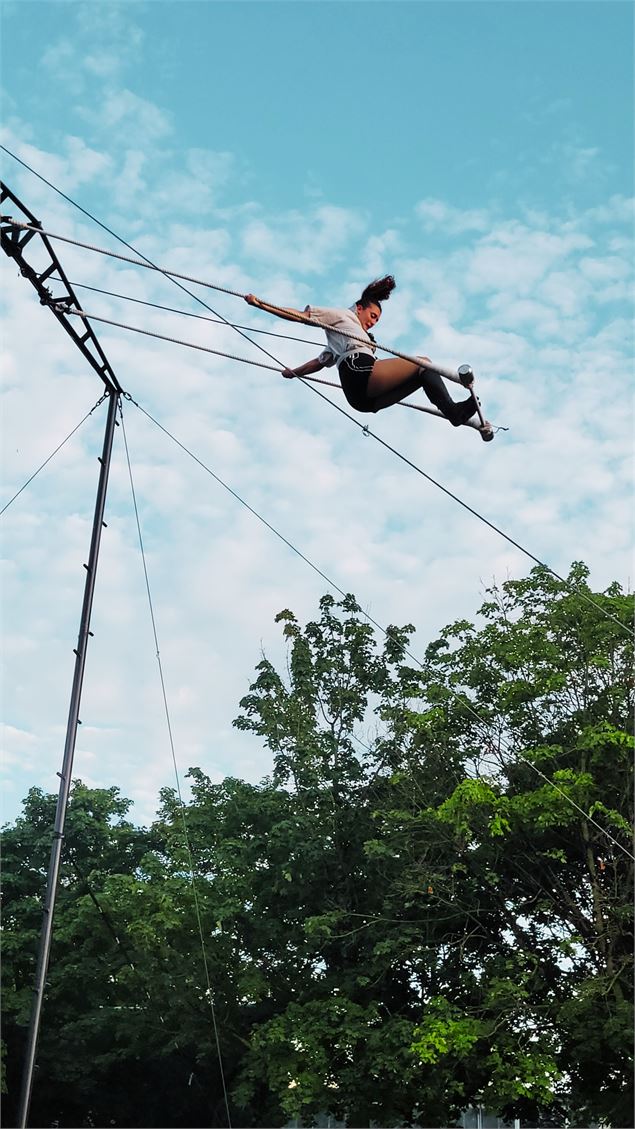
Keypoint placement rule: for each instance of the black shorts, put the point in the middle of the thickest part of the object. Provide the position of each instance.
(355, 372)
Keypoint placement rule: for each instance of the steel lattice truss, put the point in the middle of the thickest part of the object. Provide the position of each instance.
(41, 264)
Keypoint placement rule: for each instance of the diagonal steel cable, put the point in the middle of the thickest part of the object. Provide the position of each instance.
(462, 701)
(52, 455)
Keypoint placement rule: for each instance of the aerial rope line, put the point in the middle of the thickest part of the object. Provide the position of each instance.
(458, 697)
(188, 313)
(90, 348)
(186, 837)
(52, 455)
(145, 261)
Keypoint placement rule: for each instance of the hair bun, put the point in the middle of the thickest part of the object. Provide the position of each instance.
(378, 291)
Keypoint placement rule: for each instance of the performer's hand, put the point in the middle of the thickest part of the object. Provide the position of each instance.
(252, 300)
(289, 373)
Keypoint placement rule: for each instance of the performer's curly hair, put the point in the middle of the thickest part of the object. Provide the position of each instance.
(377, 291)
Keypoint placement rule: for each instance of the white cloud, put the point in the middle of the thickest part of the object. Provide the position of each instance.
(578, 160)
(72, 57)
(617, 209)
(87, 163)
(298, 241)
(437, 214)
(133, 118)
(516, 258)
(59, 57)
(79, 165)
(379, 252)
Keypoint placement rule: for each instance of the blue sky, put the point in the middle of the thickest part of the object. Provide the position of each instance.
(480, 151)
(372, 102)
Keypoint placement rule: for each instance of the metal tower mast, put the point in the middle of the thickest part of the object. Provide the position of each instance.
(14, 244)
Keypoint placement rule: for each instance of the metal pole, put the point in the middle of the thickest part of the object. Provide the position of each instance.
(67, 765)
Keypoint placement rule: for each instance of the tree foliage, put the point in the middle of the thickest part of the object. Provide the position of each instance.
(426, 904)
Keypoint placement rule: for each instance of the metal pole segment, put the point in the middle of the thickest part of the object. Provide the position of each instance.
(67, 764)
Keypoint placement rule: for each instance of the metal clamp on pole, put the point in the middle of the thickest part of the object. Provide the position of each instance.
(466, 377)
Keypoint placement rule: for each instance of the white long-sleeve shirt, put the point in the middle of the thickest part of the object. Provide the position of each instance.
(338, 344)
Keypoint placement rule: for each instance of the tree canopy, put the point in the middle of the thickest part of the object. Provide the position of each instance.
(425, 905)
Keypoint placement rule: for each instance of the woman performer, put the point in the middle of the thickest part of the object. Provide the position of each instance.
(369, 385)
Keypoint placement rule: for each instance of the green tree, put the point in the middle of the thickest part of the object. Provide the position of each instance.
(110, 1048)
(337, 675)
(419, 909)
(541, 896)
(479, 904)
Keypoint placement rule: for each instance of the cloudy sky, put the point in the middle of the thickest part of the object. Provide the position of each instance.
(481, 152)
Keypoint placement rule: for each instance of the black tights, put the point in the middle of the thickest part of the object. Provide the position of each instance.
(434, 387)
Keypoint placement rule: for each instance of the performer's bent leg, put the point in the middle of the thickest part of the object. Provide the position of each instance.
(392, 380)
(434, 387)
(394, 395)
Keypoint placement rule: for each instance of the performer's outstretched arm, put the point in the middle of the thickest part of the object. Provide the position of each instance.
(285, 312)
